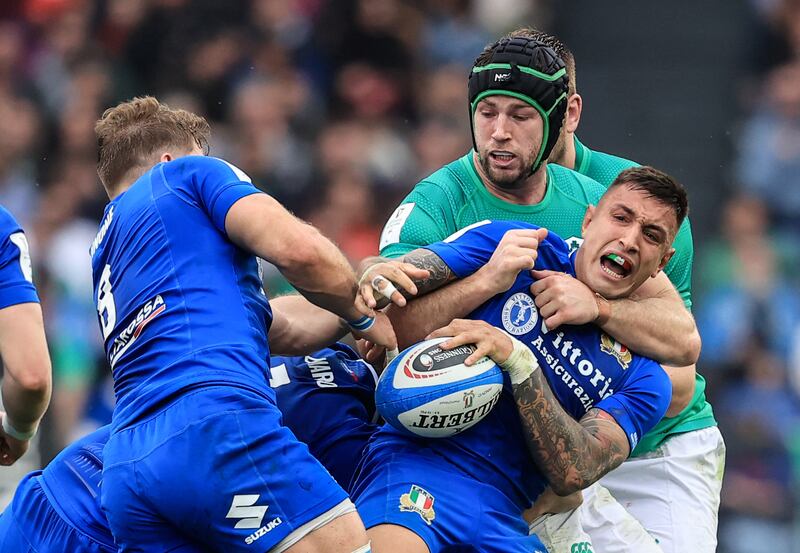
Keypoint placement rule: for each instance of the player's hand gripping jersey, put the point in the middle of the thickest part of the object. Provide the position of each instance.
(328, 400)
(190, 310)
(584, 367)
(15, 264)
(58, 509)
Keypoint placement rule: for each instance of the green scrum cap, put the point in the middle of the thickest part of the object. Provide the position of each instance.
(529, 70)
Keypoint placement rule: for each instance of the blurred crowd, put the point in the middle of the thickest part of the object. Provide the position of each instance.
(337, 107)
(747, 281)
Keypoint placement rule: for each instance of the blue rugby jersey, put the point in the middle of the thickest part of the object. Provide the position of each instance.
(584, 367)
(328, 400)
(16, 279)
(72, 483)
(180, 306)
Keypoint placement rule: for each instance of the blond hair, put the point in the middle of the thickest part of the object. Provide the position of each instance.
(132, 136)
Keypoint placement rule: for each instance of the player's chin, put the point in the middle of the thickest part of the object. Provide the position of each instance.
(610, 287)
(506, 178)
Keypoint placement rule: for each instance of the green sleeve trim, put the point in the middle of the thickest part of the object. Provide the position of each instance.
(544, 76)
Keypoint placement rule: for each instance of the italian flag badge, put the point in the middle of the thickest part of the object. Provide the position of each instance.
(419, 501)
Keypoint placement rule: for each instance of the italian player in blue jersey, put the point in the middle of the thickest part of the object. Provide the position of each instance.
(58, 509)
(327, 399)
(27, 372)
(197, 458)
(578, 400)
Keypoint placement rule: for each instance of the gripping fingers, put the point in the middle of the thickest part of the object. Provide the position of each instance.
(365, 297)
(384, 287)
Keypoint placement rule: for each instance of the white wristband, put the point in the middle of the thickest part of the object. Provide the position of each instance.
(16, 434)
(521, 364)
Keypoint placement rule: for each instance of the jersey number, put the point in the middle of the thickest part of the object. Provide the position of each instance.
(105, 303)
(19, 240)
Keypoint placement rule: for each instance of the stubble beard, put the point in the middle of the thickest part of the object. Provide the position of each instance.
(505, 179)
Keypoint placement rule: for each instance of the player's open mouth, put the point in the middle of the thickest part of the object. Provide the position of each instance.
(615, 265)
(502, 158)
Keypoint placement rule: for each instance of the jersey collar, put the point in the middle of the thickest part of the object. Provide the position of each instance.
(583, 156)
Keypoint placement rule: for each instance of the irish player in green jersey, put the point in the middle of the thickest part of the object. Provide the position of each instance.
(507, 177)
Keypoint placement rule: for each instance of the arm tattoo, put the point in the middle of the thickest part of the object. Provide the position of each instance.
(440, 273)
(571, 454)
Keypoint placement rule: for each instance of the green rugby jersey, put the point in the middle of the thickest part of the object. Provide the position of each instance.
(454, 197)
(604, 168)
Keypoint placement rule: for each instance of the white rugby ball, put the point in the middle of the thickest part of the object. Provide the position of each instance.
(428, 391)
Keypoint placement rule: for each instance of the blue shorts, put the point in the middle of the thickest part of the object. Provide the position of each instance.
(214, 470)
(448, 509)
(31, 525)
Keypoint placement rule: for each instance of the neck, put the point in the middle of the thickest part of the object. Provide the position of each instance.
(570, 157)
(567, 155)
(577, 264)
(531, 192)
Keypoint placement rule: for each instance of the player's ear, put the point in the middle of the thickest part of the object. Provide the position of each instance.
(587, 218)
(166, 156)
(664, 260)
(573, 116)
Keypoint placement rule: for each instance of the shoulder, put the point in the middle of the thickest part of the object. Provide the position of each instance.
(204, 168)
(604, 167)
(8, 224)
(574, 185)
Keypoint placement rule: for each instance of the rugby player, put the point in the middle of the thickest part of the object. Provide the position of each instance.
(518, 90)
(615, 395)
(185, 322)
(27, 378)
(654, 322)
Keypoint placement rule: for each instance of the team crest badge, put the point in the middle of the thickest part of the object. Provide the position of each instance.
(418, 501)
(519, 314)
(574, 243)
(610, 346)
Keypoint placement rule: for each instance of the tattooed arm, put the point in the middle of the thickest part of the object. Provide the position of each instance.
(571, 454)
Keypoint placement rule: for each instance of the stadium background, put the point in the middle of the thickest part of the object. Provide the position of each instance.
(337, 107)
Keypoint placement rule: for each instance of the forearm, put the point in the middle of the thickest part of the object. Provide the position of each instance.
(300, 327)
(657, 327)
(27, 383)
(308, 260)
(569, 453)
(24, 406)
(325, 277)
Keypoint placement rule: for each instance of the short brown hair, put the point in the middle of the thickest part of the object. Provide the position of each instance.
(130, 134)
(540, 36)
(658, 185)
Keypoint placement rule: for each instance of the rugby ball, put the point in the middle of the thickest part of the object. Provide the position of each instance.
(428, 391)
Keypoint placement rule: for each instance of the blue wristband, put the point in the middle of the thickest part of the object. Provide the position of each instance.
(362, 324)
